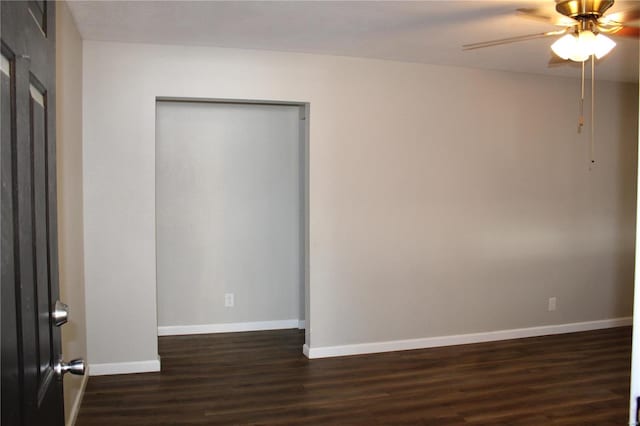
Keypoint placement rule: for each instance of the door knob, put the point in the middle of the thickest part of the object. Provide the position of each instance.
(60, 313)
(75, 366)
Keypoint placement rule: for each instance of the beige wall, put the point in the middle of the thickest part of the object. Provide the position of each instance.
(70, 217)
(443, 200)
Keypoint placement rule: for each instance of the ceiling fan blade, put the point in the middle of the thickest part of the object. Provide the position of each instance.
(555, 60)
(508, 40)
(540, 14)
(626, 17)
(625, 31)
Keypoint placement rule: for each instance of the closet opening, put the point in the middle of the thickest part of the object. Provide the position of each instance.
(232, 216)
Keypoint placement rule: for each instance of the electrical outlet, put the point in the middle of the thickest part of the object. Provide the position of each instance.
(553, 301)
(228, 300)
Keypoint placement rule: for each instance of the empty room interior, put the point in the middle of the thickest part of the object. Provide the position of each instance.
(326, 212)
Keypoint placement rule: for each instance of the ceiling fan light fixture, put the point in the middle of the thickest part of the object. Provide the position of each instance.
(580, 48)
(602, 45)
(584, 46)
(565, 46)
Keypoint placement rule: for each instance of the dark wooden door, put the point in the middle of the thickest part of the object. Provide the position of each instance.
(31, 390)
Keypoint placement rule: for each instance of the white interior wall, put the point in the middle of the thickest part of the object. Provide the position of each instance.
(442, 200)
(228, 212)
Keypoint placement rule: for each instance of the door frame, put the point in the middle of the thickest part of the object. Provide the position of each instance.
(305, 108)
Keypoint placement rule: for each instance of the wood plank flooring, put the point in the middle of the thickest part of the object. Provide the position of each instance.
(263, 378)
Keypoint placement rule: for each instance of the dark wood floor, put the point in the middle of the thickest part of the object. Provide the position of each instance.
(263, 378)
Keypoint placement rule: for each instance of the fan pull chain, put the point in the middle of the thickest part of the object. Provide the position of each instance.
(593, 107)
(581, 116)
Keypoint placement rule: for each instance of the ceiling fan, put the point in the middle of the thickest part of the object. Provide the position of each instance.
(583, 35)
(584, 29)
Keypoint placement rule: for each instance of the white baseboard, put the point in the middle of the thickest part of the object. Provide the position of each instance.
(125, 367)
(177, 330)
(305, 350)
(301, 324)
(461, 339)
(75, 408)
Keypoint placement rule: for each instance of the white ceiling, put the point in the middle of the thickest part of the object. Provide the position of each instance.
(428, 32)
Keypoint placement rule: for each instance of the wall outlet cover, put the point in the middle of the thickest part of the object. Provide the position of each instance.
(228, 300)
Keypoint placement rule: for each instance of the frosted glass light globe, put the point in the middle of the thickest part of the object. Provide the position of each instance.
(564, 46)
(584, 46)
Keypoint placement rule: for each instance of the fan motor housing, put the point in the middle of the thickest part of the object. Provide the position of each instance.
(584, 9)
